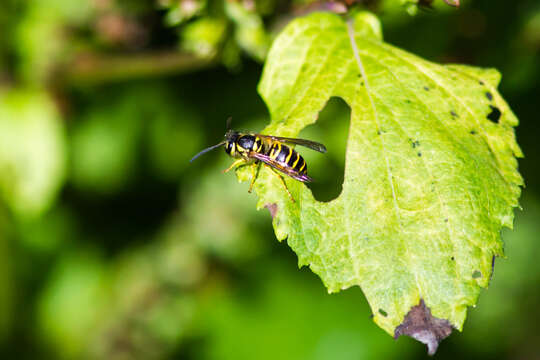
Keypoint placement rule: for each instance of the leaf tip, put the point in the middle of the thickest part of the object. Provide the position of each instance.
(424, 327)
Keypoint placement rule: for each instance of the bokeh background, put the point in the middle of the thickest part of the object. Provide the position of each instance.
(113, 246)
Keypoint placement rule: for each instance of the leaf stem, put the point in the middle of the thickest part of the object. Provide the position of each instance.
(93, 69)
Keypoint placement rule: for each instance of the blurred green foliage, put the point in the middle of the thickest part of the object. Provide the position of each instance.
(32, 151)
(112, 246)
(109, 130)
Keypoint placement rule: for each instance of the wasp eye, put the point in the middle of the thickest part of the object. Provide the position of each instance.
(228, 147)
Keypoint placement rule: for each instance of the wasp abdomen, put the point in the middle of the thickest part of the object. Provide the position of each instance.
(288, 157)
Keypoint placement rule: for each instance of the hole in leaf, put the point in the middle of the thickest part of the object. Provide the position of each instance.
(495, 114)
(327, 170)
(426, 88)
(476, 274)
(454, 114)
(489, 96)
(383, 313)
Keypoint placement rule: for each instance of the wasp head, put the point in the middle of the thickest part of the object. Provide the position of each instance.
(230, 140)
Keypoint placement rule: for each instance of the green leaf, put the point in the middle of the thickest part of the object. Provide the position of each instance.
(40, 39)
(430, 169)
(203, 36)
(72, 302)
(325, 327)
(181, 11)
(103, 142)
(32, 151)
(6, 280)
(249, 33)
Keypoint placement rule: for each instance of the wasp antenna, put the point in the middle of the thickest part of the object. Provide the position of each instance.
(207, 150)
(228, 126)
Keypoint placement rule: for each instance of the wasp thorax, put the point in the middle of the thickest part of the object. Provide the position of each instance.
(246, 142)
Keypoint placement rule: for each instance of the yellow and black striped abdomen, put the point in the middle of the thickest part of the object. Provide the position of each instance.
(287, 157)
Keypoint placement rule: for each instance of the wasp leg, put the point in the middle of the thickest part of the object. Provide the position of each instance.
(233, 165)
(254, 175)
(282, 181)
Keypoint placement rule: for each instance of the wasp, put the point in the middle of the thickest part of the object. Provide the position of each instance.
(269, 150)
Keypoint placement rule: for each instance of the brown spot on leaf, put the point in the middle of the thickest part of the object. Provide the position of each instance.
(273, 208)
(422, 326)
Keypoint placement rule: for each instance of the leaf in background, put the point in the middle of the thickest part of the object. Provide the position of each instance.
(174, 124)
(72, 302)
(32, 151)
(6, 287)
(41, 39)
(233, 233)
(430, 169)
(204, 36)
(280, 313)
(183, 10)
(147, 312)
(249, 33)
(103, 145)
(47, 233)
(106, 139)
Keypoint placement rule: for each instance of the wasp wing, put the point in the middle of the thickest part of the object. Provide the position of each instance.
(302, 142)
(280, 167)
